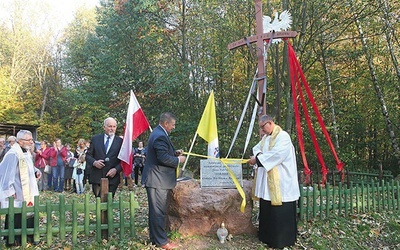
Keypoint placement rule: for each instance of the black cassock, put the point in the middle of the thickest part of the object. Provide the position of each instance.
(277, 224)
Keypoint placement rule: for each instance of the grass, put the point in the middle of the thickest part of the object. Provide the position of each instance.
(358, 231)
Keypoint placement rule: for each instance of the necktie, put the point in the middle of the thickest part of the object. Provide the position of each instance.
(106, 144)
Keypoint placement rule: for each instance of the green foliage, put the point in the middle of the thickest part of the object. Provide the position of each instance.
(172, 54)
(363, 231)
(174, 235)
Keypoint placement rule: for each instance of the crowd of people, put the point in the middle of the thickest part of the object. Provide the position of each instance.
(64, 169)
(25, 171)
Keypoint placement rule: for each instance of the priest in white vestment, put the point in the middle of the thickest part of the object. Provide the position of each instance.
(277, 185)
(18, 178)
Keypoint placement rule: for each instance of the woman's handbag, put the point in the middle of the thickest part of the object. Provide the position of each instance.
(79, 171)
(47, 168)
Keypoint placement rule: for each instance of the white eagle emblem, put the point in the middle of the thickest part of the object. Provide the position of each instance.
(280, 23)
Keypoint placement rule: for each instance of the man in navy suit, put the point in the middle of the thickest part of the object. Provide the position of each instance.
(159, 178)
(102, 158)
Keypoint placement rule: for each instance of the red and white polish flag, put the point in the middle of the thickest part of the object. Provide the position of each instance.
(136, 123)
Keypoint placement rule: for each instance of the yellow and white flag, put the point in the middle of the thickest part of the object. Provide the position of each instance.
(207, 128)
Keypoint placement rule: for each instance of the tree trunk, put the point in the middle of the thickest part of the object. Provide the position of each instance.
(44, 101)
(330, 95)
(389, 32)
(378, 91)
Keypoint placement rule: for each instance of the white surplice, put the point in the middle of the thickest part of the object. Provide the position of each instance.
(283, 156)
(10, 178)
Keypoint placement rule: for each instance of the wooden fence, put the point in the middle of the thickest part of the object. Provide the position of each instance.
(335, 177)
(72, 218)
(319, 202)
(316, 202)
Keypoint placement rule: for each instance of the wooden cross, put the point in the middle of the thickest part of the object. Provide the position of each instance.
(259, 38)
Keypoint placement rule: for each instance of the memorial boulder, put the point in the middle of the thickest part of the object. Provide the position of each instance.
(200, 211)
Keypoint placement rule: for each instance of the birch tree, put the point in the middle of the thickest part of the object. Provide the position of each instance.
(377, 88)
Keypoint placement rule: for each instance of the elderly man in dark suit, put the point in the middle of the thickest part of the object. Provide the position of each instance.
(102, 158)
(159, 178)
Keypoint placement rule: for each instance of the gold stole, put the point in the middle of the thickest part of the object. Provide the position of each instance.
(24, 175)
(273, 175)
(253, 189)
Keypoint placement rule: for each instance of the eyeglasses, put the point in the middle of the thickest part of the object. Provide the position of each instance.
(27, 139)
(262, 126)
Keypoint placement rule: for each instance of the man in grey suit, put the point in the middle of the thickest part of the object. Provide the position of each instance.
(102, 158)
(159, 178)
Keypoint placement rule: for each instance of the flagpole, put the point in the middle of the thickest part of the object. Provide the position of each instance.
(187, 158)
(253, 85)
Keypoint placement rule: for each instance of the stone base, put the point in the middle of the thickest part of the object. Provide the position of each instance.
(200, 211)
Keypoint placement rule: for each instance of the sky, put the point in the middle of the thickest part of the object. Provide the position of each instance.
(56, 12)
(65, 9)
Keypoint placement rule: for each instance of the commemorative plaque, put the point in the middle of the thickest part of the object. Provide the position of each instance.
(214, 174)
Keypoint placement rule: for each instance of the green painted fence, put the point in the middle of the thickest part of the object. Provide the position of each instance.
(86, 217)
(83, 218)
(319, 202)
(334, 177)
